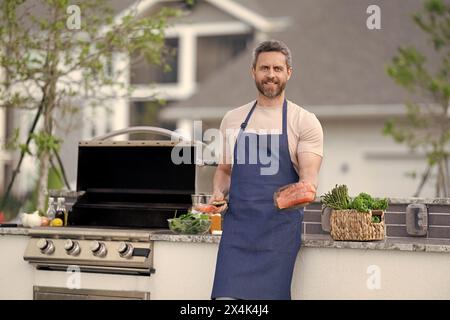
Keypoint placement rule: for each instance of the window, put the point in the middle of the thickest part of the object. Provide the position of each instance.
(143, 72)
(145, 113)
(215, 52)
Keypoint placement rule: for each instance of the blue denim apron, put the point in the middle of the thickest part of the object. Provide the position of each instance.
(260, 243)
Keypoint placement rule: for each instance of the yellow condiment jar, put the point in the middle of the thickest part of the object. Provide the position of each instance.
(216, 222)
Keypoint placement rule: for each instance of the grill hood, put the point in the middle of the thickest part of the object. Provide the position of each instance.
(136, 184)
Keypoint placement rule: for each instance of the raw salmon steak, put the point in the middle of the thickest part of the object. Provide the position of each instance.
(294, 195)
(207, 208)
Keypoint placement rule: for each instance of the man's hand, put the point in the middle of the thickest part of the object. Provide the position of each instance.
(221, 183)
(217, 196)
(310, 187)
(295, 195)
(302, 193)
(218, 200)
(309, 167)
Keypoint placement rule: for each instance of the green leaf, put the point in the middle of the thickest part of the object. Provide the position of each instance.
(24, 149)
(435, 6)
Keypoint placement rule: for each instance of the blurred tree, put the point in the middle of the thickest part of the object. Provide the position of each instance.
(30, 201)
(51, 52)
(427, 124)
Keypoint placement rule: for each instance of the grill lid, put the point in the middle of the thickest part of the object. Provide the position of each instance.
(133, 184)
(136, 167)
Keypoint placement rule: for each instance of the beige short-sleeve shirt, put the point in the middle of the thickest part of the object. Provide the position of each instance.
(304, 129)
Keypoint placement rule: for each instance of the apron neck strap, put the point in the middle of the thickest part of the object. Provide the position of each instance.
(284, 118)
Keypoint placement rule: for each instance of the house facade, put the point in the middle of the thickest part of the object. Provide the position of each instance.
(339, 75)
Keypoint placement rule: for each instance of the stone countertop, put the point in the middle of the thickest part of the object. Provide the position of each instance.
(311, 241)
(390, 243)
(325, 241)
(441, 201)
(167, 235)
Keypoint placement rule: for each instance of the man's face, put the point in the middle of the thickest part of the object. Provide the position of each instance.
(271, 74)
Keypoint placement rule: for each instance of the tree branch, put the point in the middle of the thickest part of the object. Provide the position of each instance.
(425, 176)
(61, 166)
(22, 154)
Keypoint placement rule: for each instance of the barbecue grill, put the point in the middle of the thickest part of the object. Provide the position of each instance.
(128, 190)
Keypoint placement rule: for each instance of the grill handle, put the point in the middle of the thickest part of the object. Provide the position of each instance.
(142, 129)
(155, 130)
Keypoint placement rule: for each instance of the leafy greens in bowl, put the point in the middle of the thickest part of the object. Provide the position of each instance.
(190, 223)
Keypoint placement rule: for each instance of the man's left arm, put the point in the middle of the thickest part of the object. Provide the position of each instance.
(310, 149)
(309, 166)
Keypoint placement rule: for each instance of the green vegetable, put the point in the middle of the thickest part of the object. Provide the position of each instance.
(380, 204)
(360, 204)
(190, 223)
(337, 198)
(376, 219)
(364, 203)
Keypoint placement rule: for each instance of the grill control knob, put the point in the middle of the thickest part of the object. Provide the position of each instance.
(125, 250)
(46, 246)
(98, 249)
(72, 247)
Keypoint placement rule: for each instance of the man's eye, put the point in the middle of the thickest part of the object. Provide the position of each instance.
(278, 69)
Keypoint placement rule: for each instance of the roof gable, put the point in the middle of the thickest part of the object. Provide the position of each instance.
(216, 10)
(337, 60)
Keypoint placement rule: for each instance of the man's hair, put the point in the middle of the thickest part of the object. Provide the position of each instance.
(272, 46)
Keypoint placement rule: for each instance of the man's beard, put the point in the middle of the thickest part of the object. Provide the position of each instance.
(271, 93)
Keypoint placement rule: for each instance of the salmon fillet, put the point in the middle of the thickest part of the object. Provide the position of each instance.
(295, 194)
(207, 208)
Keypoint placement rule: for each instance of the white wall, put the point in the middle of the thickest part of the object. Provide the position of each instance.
(376, 164)
(186, 271)
(328, 273)
(16, 275)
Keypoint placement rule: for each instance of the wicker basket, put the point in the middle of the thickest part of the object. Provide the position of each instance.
(357, 226)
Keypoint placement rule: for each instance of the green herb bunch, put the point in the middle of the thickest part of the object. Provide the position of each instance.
(337, 198)
(364, 203)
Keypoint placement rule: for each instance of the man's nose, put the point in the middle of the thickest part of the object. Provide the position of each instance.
(270, 73)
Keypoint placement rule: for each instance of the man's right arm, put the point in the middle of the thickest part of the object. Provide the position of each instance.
(221, 183)
(222, 176)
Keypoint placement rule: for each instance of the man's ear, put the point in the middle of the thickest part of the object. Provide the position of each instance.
(289, 72)
(252, 71)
